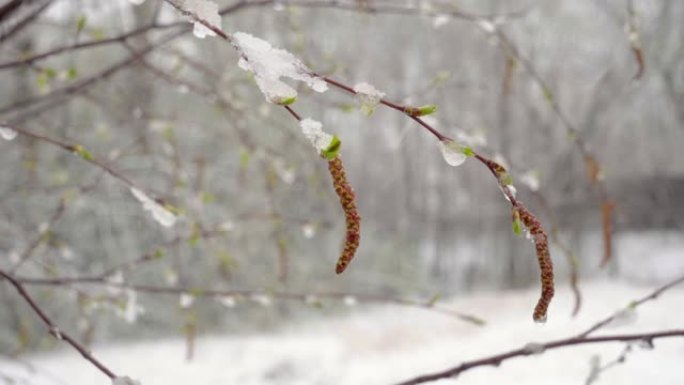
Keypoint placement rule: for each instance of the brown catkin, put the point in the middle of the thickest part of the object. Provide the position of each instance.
(607, 216)
(541, 243)
(351, 214)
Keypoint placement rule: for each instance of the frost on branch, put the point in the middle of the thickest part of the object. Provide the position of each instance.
(368, 96)
(270, 64)
(7, 133)
(160, 213)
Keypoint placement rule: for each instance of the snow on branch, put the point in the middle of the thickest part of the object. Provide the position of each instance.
(269, 65)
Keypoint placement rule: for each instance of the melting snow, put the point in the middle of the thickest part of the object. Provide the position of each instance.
(7, 133)
(313, 131)
(270, 64)
(160, 213)
(452, 152)
(368, 96)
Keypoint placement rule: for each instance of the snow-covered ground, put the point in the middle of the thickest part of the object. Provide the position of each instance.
(383, 345)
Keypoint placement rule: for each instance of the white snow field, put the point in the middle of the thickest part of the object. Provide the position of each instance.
(384, 345)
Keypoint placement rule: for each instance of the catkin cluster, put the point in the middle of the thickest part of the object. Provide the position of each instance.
(351, 214)
(541, 243)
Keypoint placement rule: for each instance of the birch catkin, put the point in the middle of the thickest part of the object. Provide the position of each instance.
(541, 243)
(351, 214)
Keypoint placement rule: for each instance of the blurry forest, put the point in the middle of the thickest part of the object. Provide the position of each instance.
(582, 100)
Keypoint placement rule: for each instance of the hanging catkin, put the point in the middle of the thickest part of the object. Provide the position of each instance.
(351, 214)
(541, 243)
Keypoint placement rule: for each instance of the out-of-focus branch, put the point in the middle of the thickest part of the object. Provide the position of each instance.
(78, 150)
(53, 329)
(23, 23)
(311, 298)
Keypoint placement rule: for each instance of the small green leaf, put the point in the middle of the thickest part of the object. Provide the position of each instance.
(347, 107)
(80, 23)
(506, 179)
(421, 111)
(50, 73)
(208, 197)
(427, 109)
(244, 158)
(83, 153)
(548, 94)
(71, 73)
(517, 226)
(333, 148)
(42, 81)
(286, 101)
(467, 151)
(196, 235)
(98, 34)
(158, 254)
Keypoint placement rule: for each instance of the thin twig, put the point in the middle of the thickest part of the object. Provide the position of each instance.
(247, 293)
(53, 329)
(496, 360)
(633, 305)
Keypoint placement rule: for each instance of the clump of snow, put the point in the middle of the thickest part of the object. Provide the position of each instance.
(7, 133)
(452, 152)
(261, 299)
(270, 64)
(228, 301)
(131, 310)
(136, 2)
(204, 10)
(309, 230)
(440, 20)
(313, 131)
(531, 180)
(368, 96)
(160, 213)
(486, 25)
(350, 300)
(186, 300)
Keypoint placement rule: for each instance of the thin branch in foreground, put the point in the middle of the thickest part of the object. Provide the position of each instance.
(496, 360)
(632, 305)
(579, 339)
(53, 329)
